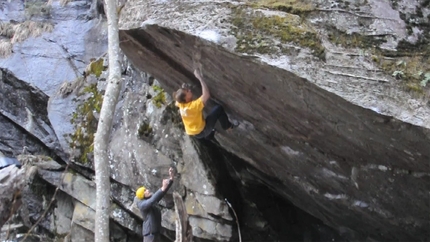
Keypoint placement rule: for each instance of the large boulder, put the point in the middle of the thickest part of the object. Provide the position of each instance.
(330, 99)
(333, 114)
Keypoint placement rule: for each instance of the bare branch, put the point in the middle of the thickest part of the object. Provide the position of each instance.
(355, 76)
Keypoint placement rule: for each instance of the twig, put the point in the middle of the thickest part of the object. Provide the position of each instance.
(350, 75)
(378, 35)
(353, 67)
(11, 226)
(343, 53)
(237, 220)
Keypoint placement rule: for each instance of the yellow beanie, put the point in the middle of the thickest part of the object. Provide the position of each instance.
(140, 193)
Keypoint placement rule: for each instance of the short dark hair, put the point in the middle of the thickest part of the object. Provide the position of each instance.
(180, 95)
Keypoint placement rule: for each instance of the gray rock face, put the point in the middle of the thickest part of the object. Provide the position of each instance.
(74, 203)
(56, 57)
(24, 119)
(138, 158)
(83, 190)
(62, 53)
(354, 168)
(303, 136)
(146, 141)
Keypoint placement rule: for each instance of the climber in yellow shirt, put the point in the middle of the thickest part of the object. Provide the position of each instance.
(192, 111)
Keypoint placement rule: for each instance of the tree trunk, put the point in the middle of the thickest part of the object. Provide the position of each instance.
(183, 228)
(101, 139)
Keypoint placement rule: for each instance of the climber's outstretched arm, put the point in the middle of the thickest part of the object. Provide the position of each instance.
(205, 91)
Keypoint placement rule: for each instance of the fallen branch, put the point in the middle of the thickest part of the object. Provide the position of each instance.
(11, 227)
(343, 53)
(350, 75)
(353, 67)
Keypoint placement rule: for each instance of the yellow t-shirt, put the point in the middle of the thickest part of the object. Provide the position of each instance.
(192, 116)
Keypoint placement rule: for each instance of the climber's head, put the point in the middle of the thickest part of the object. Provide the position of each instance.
(143, 193)
(183, 94)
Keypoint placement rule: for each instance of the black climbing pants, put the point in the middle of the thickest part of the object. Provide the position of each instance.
(217, 113)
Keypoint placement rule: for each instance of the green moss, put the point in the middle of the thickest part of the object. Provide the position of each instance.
(408, 63)
(96, 67)
(288, 6)
(85, 123)
(415, 87)
(354, 40)
(413, 60)
(45, 158)
(157, 88)
(144, 129)
(375, 58)
(160, 99)
(410, 69)
(256, 32)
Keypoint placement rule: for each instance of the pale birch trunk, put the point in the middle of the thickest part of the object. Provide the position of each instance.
(183, 228)
(101, 139)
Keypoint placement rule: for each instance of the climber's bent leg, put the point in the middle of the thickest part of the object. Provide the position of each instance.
(218, 113)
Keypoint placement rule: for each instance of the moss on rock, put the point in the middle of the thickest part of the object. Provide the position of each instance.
(409, 63)
(160, 99)
(145, 129)
(354, 40)
(288, 6)
(258, 33)
(96, 67)
(85, 123)
(410, 69)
